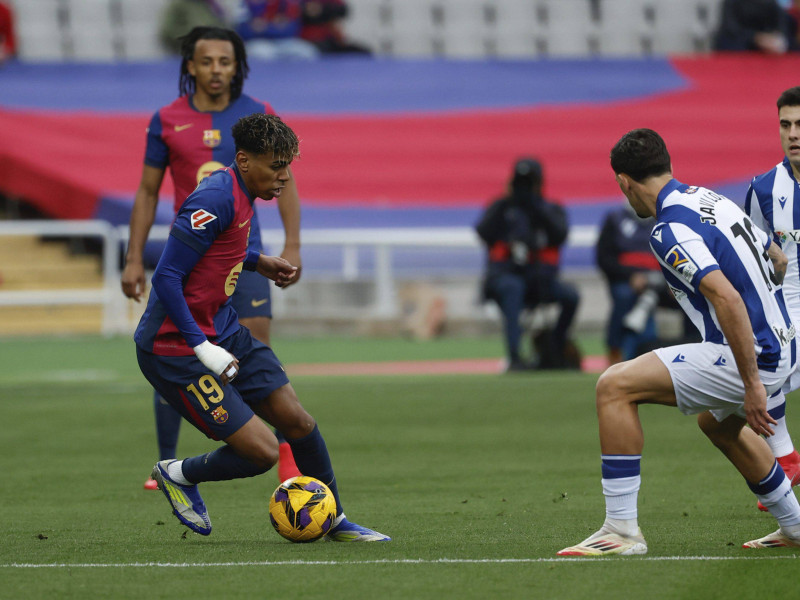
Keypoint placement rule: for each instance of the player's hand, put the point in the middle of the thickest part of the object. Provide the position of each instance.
(133, 280)
(755, 409)
(292, 254)
(278, 269)
(217, 360)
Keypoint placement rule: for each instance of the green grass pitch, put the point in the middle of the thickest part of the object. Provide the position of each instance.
(480, 480)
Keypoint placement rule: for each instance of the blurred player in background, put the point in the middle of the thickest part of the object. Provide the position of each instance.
(193, 351)
(773, 203)
(725, 273)
(192, 137)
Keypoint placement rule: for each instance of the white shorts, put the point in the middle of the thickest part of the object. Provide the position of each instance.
(705, 378)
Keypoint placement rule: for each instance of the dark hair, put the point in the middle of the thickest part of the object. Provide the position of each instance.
(186, 84)
(640, 153)
(260, 133)
(790, 97)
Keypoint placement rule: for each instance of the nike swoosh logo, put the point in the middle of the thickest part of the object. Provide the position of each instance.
(182, 127)
(257, 303)
(243, 224)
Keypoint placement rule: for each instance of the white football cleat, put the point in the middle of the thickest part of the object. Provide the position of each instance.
(606, 543)
(776, 539)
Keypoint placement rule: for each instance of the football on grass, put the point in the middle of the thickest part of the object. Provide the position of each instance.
(302, 509)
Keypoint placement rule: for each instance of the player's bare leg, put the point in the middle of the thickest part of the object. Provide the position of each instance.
(754, 459)
(620, 390)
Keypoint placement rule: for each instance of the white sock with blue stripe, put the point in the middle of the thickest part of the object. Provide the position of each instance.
(781, 442)
(621, 482)
(775, 492)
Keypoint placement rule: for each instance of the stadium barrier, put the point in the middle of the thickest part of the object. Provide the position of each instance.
(379, 270)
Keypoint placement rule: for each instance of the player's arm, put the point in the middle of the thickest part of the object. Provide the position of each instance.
(779, 261)
(276, 268)
(142, 217)
(175, 264)
(735, 324)
(289, 208)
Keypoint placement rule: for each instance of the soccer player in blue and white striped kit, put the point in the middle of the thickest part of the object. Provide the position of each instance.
(725, 273)
(773, 203)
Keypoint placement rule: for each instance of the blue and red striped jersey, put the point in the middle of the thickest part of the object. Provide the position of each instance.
(198, 271)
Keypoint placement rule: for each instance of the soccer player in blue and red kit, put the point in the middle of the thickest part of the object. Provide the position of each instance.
(191, 136)
(194, 352)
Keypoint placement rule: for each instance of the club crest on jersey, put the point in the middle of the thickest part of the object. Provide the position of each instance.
(212, 137)
(680, 261)
(220, 415)
(200, 218)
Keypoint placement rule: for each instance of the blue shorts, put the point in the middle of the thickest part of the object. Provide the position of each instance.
(252, 296)
(199, 396)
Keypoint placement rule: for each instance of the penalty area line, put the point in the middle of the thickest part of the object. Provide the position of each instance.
(399, 561)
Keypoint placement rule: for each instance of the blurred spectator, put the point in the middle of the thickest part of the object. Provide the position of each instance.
(523, 233)
(8, 42)
(760, 25)
(322, 26)
(181, 16)
(271, 30)
(634, 282)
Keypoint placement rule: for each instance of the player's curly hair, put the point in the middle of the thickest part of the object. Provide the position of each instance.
(186, 84)
(640, 154)
(790, 97)
(260, 133)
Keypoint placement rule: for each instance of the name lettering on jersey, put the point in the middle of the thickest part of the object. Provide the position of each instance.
(200, 218)
(233, 278)
(707, 206)
(792, 235)
(182, 127)
(212, 137)
(680, 261)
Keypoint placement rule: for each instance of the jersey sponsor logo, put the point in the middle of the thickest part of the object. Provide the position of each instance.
(212, 137)
(784, 335)
(182, 127)
(220, 415)
(201, 218)
(680, 261)
(244, 223)
(782, 201)
(792, 235)
(721, 362)
(233, 278)
(679, 359)
(207, 169)
(691, 190)
(257, 303)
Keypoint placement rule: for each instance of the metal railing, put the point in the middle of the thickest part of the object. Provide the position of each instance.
(384, 241)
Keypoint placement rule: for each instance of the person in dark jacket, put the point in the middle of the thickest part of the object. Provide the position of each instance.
(523, 233)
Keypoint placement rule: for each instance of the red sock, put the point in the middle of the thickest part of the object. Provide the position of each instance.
(286, 465)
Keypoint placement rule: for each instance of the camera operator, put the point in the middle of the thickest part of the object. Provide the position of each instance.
(523, 233)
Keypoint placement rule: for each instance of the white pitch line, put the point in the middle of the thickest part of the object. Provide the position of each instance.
(409, 561)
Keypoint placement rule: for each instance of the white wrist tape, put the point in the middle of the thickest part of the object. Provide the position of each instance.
(216, 359)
